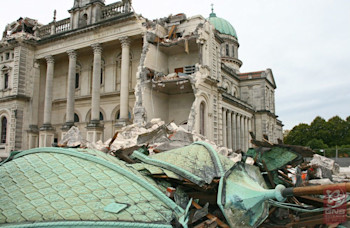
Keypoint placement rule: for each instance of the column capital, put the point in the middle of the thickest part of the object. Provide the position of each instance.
(50, 59)
(72, 54)
(125, 41)
(97, 48)
(36, 64)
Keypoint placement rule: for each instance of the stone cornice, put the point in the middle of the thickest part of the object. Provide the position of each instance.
(234, 60)
(87, 28)
(88, 97)
(219, 38)
(230, 71)
(268, 112)
(211, 81)
(235, 101)
(15, 97)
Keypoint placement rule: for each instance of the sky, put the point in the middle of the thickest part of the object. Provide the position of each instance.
(306, 43)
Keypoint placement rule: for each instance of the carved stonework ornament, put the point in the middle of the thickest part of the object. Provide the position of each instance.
(125, 41)
(97, 48)
(72, 54)
(50, 59)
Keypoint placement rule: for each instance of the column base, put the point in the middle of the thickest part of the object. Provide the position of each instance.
(67, 126)
(33, 136)
(46, 127)
(94, 131)
(120, 123)
(46, 135)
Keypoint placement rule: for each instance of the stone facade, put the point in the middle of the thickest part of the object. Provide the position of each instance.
(106, 67)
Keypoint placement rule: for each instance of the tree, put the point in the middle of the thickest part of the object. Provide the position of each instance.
(316, 144)
(337, 130)
(319, 130)
(299, 135)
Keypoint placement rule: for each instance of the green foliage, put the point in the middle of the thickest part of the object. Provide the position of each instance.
(316, 144)
(299, 135)
(321, 133)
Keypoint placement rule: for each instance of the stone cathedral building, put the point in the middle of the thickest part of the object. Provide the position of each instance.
(105, 67)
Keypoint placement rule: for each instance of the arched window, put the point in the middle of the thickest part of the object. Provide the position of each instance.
(117, 116)
(233, 51)
(119, 68)
(77, 76)
(102, 76)
(202, 118)
(88, 116)
(6, 80)
(227, 50)
(3, 129)
(76, 118)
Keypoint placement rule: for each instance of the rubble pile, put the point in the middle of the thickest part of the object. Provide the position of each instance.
(286, 165)
(156, 135)
(271, 185)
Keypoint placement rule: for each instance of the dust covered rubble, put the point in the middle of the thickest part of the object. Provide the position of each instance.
(156, 135)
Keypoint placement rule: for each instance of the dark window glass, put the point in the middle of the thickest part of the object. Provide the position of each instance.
(118, 115)
(6, 80)
(3, 129)
(202, 118)
(77, 77)
(76, 118)
(227, 50)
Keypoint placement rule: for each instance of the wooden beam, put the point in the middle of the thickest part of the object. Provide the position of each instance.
(211, 217)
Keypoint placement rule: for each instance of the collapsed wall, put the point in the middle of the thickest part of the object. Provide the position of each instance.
(170, 71)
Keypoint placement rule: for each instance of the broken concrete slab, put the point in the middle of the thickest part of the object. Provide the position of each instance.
(73, 138)
(326, 163)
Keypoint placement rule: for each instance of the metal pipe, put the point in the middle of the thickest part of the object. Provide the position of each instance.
(313, 190)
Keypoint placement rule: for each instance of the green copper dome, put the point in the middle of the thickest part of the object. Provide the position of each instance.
(222, 25)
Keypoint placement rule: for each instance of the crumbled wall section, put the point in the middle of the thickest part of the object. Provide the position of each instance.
(141, 76)
(22, 71)
(196, 79)
(19, 128)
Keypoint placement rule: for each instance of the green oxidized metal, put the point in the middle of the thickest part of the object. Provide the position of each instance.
(222, 25)
(274, 158)
(64, 187)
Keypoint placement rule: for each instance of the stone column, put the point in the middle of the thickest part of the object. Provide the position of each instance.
(94, 128)
(71, 89)
(242, 133)
(48, 90)
(229, 130)
(46, 136)
(224, 135)
(33, 131)
(96, 77)
(249, 130)
(246, 138)
(234, 132)
(238, 136)
(124, 82)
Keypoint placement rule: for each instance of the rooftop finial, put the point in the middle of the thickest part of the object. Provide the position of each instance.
(54, 15)
(212, 11)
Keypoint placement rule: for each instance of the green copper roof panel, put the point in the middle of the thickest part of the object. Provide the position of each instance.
(198, 162)
(47, 186)
(222, 25)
